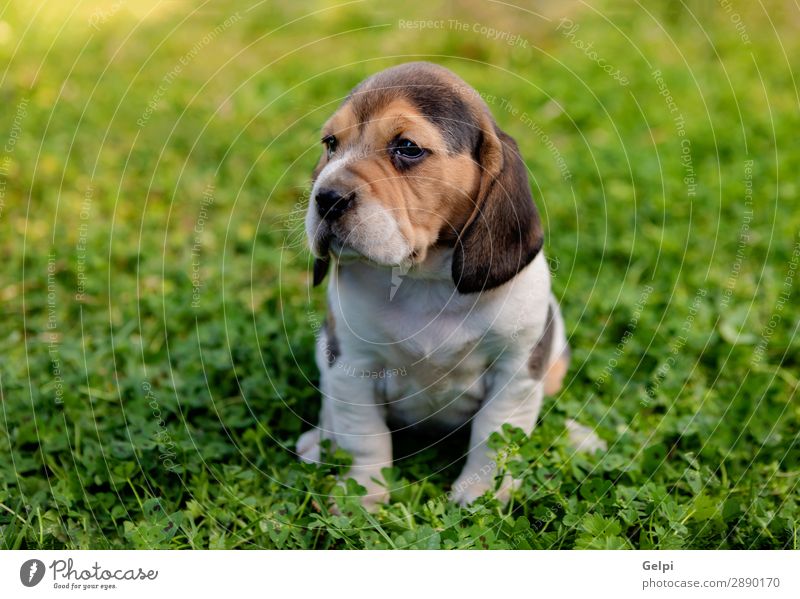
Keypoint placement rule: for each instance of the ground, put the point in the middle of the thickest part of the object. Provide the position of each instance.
(156, 345)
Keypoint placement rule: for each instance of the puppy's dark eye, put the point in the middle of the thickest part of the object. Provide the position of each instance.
(331, 143)
(405, 148)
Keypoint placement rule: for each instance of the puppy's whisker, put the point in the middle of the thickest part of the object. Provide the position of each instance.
(293, 229)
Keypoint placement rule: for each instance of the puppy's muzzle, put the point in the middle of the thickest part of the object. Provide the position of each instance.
(331, 204)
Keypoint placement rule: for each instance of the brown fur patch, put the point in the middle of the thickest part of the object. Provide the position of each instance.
(554, 377)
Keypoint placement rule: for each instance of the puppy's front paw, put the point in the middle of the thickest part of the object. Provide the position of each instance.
(584, 439)
(470, 486)
(308, 449)
(376, 495)
(372, 481)
(467, 489)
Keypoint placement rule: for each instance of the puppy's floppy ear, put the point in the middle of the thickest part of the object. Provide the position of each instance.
(320, 270)
(504, 232)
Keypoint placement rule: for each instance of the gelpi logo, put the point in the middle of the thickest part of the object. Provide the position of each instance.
(31, 572)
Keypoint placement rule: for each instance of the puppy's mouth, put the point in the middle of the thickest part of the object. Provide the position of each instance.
(344, 252)
(331, 244)
(328, 243)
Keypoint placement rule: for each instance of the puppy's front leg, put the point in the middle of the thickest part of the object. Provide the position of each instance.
(359, 427)
(514, 399)
(352, 420)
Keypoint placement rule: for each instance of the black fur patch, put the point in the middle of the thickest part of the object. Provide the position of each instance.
(332, 349)
(320, 269)
(540, 354)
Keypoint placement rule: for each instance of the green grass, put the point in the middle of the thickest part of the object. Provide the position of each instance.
(136, 415)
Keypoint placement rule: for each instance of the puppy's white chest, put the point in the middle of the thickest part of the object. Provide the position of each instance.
(432, 347)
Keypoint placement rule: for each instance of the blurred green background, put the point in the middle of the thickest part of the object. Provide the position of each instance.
(157, 323)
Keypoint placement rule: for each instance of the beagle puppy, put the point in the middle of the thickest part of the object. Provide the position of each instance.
(440, 312)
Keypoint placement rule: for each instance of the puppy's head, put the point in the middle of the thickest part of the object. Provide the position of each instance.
(413, 159)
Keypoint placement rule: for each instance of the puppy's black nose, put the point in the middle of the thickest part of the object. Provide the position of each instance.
(331, 204)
